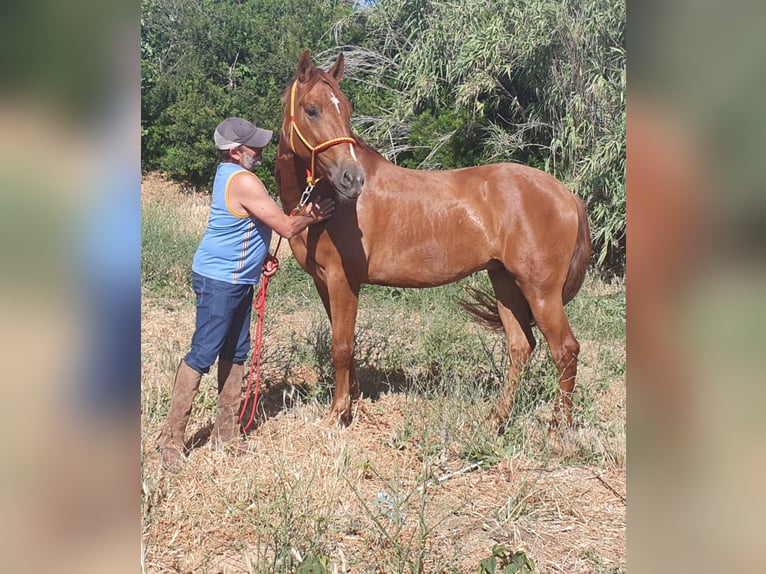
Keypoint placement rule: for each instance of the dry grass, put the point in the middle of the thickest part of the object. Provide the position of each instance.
(367, 498)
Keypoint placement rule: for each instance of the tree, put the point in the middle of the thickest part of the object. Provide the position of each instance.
(204, 60)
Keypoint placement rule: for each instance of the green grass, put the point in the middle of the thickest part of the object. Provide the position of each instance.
(167, 251)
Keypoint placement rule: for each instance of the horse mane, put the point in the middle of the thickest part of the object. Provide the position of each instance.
(362, 144)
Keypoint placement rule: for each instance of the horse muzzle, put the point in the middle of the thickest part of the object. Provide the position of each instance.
(348, 180)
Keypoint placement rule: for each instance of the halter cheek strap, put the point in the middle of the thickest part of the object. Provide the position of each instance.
(311, 181)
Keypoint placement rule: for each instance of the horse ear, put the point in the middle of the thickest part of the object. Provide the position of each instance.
(337, 68)
(304, 66)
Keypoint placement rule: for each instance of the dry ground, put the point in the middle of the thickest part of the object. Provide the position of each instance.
(361, 496)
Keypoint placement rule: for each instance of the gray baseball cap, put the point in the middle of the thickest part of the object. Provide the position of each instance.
(234, 132)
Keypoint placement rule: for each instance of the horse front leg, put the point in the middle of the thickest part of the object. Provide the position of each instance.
(353, 384)
(344, 302)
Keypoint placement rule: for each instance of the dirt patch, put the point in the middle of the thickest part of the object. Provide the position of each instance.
(155, 184)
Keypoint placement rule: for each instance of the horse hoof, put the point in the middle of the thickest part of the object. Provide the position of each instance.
(336, 420)
(345, 419)
(498, 421)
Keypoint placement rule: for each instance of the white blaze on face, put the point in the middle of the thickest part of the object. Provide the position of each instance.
(335, 101)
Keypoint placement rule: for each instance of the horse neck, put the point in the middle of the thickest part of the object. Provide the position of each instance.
(288, 168)
(374, 162)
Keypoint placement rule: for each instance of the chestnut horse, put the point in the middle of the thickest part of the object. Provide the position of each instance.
(416, 228)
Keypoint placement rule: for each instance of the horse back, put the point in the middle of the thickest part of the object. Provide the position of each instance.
(427, 227)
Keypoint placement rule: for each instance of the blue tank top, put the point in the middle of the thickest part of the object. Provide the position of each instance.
(234, 245)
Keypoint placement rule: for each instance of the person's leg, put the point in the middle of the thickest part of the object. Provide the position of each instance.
(226, 427)
(171, 441)
(230, 372)
(212, 325)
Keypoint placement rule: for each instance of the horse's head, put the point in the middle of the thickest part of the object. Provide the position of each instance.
(317, 127)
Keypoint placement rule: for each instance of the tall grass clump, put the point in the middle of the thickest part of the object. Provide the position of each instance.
(167, 248)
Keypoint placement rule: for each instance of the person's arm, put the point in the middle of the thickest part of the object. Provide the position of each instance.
(247, 194)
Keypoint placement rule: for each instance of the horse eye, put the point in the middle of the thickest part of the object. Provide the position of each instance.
(312, 112)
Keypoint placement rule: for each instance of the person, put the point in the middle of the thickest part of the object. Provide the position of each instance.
(226, 267)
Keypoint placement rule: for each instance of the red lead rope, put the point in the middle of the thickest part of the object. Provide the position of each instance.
(270, 266)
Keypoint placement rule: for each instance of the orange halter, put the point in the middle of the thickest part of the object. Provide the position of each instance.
(311, 181)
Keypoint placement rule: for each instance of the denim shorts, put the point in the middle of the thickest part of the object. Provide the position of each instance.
(223, 323)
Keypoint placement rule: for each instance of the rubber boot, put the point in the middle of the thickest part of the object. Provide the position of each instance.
(171, 440)
(226, 430)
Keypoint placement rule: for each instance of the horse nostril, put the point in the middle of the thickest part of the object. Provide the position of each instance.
(348, 180)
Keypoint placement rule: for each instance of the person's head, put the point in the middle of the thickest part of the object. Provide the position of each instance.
(239, 141)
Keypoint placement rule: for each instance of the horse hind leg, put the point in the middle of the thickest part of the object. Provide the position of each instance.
(515, 317)
(553, 323)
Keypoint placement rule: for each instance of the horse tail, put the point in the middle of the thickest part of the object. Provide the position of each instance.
(580, 257)
(483, 307)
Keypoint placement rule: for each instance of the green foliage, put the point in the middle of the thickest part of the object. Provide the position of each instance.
(445, 140)
(314, 565)
(190, 153)
(599, 315)
(510, 562)
(204, 60)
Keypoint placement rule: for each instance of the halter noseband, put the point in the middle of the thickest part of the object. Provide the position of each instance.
(311, 181)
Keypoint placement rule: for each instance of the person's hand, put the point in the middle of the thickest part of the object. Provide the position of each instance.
(319, 210)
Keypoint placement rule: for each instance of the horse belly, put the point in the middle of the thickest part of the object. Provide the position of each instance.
(428, 264)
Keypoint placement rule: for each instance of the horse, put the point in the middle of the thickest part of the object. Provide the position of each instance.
(402, 227)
